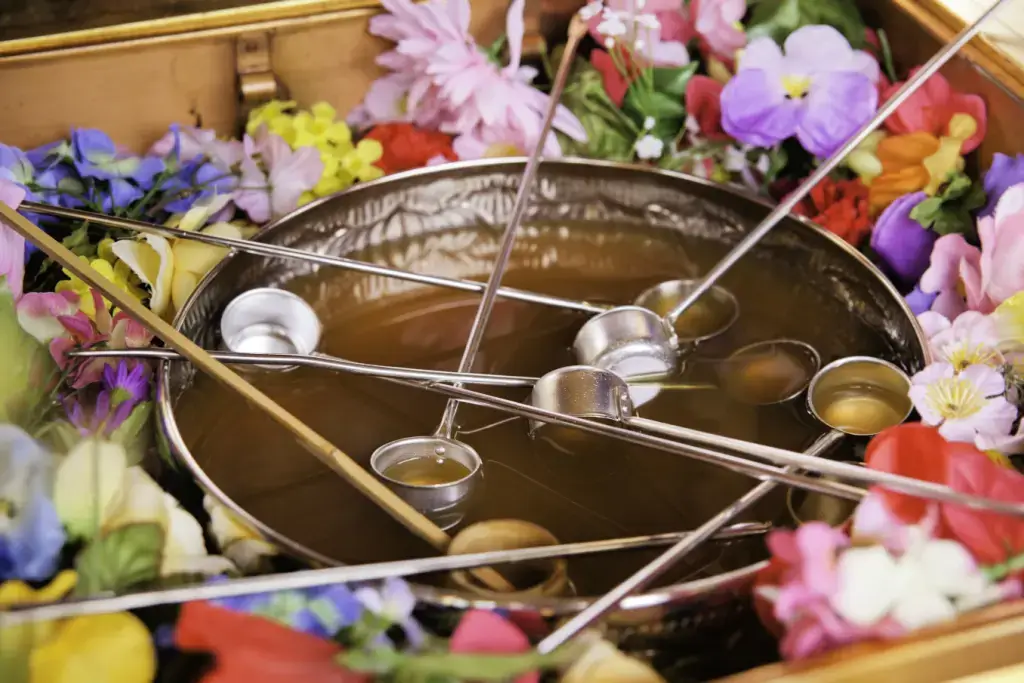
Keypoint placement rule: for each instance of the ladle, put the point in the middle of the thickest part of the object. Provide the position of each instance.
(444, 502)
(15, 614)
(628, 337)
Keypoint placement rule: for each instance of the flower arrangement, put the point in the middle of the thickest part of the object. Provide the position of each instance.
(752, 96)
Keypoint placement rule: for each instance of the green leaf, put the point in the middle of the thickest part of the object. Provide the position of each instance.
(78, 242)
(673, 80)
(135, 433)
(120, 559)
(475, 667)
(668, 112)
(610, 133)
(776, 19)
(26, 367)
(950, 211)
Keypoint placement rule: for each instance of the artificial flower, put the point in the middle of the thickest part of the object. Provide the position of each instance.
(841, 207)
(181, 145)
(237, 541)
(274, 176)
(123, 390)
(1004, 173)
(251, 649)
(954, 276)
(88, 484)
(965, 405)
(704, 108)
(26, 372)
(1008, 319)
(447, 82)
(717, 22)
(109, 266)
(17, 643)
(405, 147)
(39, 313)
(903, 245)
(12, 244)
(31, 535)
(128, 177)
(113, 648)
(640, 30)
(484, 632)
(919, 301)
(970, 339)
(649, 148)
(321, 611)
(615, 82)
(395, 602)
(932, 108)
(818, 88)
(901, 158)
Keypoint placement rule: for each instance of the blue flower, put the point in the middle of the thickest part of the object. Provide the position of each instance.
(95, 155)
(1004, 173)
(16, 168)
(321, 612)
(197, 179)
(31, 533)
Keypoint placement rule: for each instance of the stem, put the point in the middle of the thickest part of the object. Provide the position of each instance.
(998, 572)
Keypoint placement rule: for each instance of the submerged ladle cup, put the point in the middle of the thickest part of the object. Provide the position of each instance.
(445, 501)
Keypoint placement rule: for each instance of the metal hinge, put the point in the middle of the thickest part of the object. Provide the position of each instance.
(257, 83)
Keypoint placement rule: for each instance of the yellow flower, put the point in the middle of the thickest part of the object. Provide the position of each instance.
(107, 265)
(864, 161)
(112, 648)
(272, 114)
(17, 642)
(948, 158)
(602, 662)
(1009, 320)
(359, 162)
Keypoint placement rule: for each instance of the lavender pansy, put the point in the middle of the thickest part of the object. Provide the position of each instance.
(903, 244)
(395, 602)
(819, 89)
(31, 534)
(195, 180)
(1005, 172)
(16, 168)
(920, 301)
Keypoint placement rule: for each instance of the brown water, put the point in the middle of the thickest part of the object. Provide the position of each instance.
(605, 490)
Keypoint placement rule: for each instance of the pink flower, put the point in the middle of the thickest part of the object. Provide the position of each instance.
(484, 632)
(704, 106)
(656, 34)
(199, 142)
(274, 176)
(955, 275)
(12, 244)
(971, 339)
(966, 406)
(442, 79)
(930, 109)
(718, 24)
(39, 313)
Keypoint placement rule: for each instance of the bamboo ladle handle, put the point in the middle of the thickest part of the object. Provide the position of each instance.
(320, 447)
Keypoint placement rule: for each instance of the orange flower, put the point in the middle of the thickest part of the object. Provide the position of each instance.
(407, 147)
(841, 207)
(903, 169)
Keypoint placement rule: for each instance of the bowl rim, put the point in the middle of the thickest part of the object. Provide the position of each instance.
(662, 597)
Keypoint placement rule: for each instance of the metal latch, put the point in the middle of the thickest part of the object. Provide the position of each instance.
(257, 83)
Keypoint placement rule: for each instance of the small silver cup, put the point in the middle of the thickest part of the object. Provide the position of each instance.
(444, 504)
(267, 320)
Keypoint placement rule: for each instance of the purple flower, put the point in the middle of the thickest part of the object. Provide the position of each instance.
(126, 384)
(197, 179)
(96, 156)
(1004, 173)
(16, 168)
(123, 389)
(321, 612)
(395, 602)
(903, 244)
(920, 301)
(820, 90)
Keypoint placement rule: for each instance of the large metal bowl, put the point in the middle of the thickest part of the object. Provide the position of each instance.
(470, 194)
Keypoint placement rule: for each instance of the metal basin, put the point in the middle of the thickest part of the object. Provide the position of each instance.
(436, 216)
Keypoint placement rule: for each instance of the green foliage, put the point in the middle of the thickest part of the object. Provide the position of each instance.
(950, 211)
(776, 19)
(119, 559)
(26, 368)
(658, 93)
(610, 134)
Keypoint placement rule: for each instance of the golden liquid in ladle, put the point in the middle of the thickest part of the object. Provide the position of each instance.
(608, 489)
(767, 374)
(862, 409)
(427, 471)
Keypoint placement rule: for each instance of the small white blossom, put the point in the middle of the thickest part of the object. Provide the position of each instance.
(609, 43)
(638, 44)
(591, 10)
(648, 21)
(649, 147)
(649, 123)
(692, 125)
(611, 24)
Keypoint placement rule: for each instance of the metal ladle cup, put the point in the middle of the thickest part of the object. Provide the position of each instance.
(637, 339)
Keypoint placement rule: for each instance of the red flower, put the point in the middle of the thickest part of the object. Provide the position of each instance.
(930, 109)
(252, 649)
(615, 83)
(841, 207)
(483, 632)
(704, 103)
(918, 451)
(407, 147)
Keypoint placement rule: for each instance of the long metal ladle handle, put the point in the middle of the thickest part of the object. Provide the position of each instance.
(278, 251)
(577, 29)
(827, 166)
(908, 485)
(316, 578)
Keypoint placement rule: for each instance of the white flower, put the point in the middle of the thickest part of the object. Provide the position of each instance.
(611, 24)
(602, 662)
(963, 405)
(971, 339)
(591, 10)
(648, 21)
(238, 542)
(649, 123)
(931, 582)
(649, 147)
